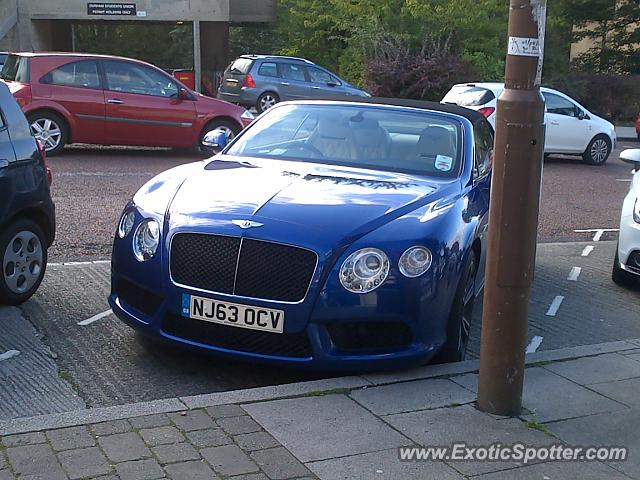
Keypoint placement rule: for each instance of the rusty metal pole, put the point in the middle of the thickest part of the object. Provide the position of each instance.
(513, 217)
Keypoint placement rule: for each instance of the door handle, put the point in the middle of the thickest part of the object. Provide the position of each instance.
(115, 101)
(285, 84)
(316, 88)
(555, 123)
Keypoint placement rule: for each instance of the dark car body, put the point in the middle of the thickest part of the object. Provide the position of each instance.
(261, 81)
(25, 198)
(274, 233)
(100, 99)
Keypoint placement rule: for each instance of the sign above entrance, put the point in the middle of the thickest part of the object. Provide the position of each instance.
(109, 8)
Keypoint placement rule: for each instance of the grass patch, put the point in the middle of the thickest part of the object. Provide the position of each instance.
(538, 426)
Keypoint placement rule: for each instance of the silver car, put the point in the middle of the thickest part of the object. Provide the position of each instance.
(261, 81)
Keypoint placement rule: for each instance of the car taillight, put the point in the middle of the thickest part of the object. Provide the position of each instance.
(487, 111)
(22, 93)
(43, 154)
(248, 81)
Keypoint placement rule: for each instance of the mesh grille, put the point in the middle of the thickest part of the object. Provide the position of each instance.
(137, 297)
(204, 261)
(266, 270)
(295, 345)
(274, 271)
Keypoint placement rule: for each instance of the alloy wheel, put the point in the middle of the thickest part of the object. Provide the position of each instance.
(267, 101)
(48, 132)
(599, 150)
(22, 262)
(467, 310)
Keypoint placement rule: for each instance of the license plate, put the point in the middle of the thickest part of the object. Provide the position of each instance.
(232, 83)
(232, 314)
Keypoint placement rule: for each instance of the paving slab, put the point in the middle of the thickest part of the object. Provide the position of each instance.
(279, 464)
(318, 428)
(598, 369)
(558, 471)
(190, 420)
(176, 452)
(623, 391)
(123, 447)
(444, 426)
(550, 397)
(606, 429)
(410, 396)
(197, 470)
(85, 462)
(147, 469)
(383, 465)
(212, 437)
(69, 438)
(229, 460)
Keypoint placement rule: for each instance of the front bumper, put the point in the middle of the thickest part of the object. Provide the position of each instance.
(387, 340)
(629, 239)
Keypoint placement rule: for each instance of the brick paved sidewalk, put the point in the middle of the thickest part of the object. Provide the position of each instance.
(202, 444)
(347, 428)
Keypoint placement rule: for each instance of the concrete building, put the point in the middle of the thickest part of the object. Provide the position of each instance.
(47, 25)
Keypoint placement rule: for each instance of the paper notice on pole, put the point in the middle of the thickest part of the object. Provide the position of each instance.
(524, 47)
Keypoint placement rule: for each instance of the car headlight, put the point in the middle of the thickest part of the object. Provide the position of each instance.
(415, 261)
(247, 115)
(126, 223)
(636, 210)
(364, 270)
(146, 240)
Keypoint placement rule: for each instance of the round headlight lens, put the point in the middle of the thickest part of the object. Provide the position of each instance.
(364, 270)
(146, 240)
(415, 261)
(126, 223)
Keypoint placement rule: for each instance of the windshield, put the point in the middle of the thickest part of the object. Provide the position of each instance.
(362, 136)
(15, 69)
(468, 96)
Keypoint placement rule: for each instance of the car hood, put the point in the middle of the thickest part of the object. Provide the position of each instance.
(330, 201)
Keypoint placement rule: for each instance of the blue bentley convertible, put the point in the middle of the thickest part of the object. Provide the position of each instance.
(344, 235)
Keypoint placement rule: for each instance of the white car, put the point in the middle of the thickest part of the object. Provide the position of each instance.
(626, 266)
(571, 128)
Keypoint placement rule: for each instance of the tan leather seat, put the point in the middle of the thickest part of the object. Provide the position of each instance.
(371, 140)
(333, 138)
(433, 141)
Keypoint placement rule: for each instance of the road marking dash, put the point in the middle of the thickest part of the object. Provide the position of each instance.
(9, 354)
(598, 232)
(534, 344)
(95, 318)
(555, 306)
(624, 180)
(587, 250)
(574, 274)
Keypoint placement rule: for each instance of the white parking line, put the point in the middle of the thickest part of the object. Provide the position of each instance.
(9, 354)
(534, 344)
(587, 250)
(73, 264)
(95, 318)
(555, 305)
(574, 274)
(598, 232)
(624, 180)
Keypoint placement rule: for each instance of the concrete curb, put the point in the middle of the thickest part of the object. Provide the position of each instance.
(301, 389)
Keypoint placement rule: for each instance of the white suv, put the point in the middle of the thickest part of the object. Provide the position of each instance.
(571, 128)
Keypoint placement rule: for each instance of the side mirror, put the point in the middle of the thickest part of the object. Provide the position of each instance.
(183, 94)
(632, 156)
(581, 115)
(215, 141)
(332, 84)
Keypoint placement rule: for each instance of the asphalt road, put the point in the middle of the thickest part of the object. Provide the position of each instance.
(92, 185)
(63, 364)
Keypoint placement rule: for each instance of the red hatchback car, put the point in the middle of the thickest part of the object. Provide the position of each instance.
(106, 100)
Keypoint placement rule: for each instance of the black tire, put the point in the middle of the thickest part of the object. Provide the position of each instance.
(620, 276)
(37, 118)
(233, 128)
(23, 253)
(266, 101)
(597, 151)
(459, 324)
